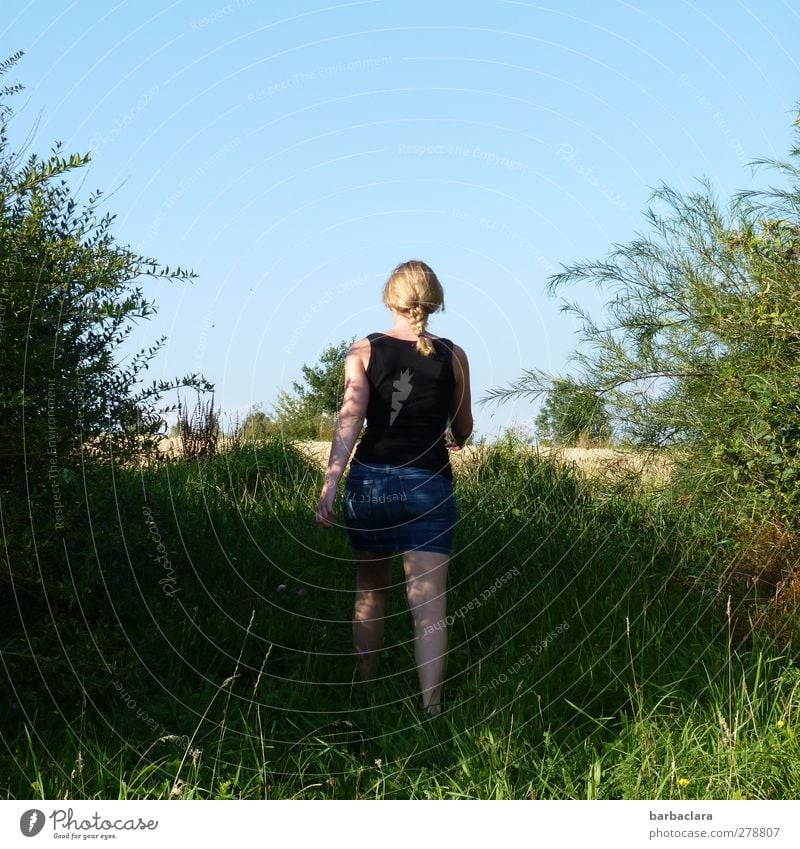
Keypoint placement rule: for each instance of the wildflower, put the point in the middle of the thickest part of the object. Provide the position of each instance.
(780, 723)
(682, 782)
(301, 591)
(281, 587)
(378, 762)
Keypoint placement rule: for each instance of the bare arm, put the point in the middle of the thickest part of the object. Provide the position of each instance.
(461, 404)
(348, 426)
(351, 415)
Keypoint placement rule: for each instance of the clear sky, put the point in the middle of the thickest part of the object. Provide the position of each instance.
(292, 153)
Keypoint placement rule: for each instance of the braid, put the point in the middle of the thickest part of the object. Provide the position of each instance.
(418, 316)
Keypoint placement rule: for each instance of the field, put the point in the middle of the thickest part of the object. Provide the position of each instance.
(604, 461)
(596, 649)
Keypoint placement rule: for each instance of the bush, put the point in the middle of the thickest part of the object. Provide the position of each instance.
(69, 408)
(573, 416)
(702, 348)
(68, 303)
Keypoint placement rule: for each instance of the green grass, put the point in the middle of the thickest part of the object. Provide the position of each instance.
(607, 667)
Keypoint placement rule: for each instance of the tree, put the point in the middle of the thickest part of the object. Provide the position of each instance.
(255, 425)
(702, 347)
(572, 415)
(323, 387)
(309, 411)
(288, 418)
(67, 303)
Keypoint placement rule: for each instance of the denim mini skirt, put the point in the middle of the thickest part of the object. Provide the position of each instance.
(398, 508)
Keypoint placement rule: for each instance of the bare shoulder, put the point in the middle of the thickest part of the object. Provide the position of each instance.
(360, 350)
(458, 352)
(460, 364)
(358, 346)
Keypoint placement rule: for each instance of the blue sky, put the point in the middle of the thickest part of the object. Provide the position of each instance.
(292, 153)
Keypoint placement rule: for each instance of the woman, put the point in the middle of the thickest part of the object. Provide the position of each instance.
(398, 493)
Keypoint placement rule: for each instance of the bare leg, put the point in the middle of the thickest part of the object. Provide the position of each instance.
(426, 590)
(373, 576)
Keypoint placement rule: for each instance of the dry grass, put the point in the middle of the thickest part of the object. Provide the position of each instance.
(767, 567)
(594, 461)
(608, 462)
(171, 445)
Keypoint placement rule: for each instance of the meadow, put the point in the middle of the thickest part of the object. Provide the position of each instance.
(601, 645)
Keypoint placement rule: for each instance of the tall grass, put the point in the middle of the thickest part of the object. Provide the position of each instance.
(207, 653)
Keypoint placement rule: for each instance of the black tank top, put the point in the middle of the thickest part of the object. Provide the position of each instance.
(409, 404)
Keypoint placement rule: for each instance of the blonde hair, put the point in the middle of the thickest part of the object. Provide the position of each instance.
(414, 290)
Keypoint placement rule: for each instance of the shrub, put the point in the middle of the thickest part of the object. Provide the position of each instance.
(701, 351)
(68, 301)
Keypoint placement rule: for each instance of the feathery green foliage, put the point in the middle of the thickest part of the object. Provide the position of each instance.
(572, 415)
(701, 348)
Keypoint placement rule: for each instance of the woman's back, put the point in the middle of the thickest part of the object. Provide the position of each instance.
(410, 400)
(398, 495)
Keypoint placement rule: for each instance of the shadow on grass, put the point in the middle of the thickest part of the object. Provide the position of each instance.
(200, 638)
